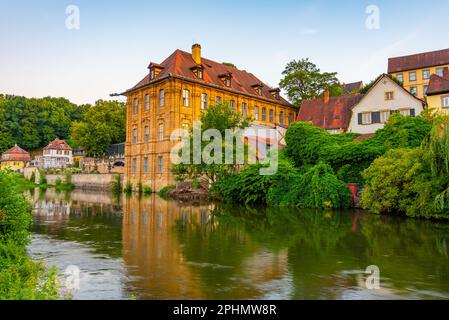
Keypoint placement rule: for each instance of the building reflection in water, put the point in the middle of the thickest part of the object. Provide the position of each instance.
(182, 252)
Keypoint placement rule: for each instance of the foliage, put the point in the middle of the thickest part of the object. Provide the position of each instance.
(303, 80)
(20, 277)
(117, 185)
(128, 188)
(42, 177)
(32, 123)
(139, 187)
(318, 188)
(163, 192)
(219, 117)
(147, 190)
(102, 125)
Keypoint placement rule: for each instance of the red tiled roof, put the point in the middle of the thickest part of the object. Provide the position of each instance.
(16, 153)
(438, 85)
(58, 145)
(418, 61)
(336, 114)
(180, 63)
(364, 136)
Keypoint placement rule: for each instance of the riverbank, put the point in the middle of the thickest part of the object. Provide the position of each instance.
(21, 278)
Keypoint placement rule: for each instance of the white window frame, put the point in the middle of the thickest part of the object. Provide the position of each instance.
(147, 102)
(367, 118)
(204, 101)
(160, 132)
(400, 77)
(440, 72)
(161, 97)
(389, 95)
(384, 116)
(256, 113)
(445, 102)
(410, 76)
(185, 97)
(136, 105)
(411, 90)
(424, 73)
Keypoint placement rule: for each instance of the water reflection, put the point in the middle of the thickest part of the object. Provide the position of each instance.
(157, 249)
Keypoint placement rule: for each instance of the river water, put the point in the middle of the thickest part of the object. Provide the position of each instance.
(150, 248)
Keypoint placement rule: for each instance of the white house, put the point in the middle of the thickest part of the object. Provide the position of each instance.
(58, 154)
(383, 99)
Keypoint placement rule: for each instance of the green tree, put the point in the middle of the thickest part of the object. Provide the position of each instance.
(303, 80)
(102, 125)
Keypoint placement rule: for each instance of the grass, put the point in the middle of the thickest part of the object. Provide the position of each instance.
(163, 192)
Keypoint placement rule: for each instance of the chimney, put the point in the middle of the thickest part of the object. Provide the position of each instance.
(196, 53)
(326, 96)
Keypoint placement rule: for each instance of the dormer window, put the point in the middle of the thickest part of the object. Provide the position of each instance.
(226, 79)
(276, 93)
(258, 88)
(155, 70)
(198, 71)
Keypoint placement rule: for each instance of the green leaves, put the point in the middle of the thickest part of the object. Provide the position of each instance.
(303, 80)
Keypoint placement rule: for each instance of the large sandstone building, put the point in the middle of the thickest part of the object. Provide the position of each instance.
(173, 94)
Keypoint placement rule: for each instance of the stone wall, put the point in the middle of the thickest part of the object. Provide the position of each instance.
(87, 181)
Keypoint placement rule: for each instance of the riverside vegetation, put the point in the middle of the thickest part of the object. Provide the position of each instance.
(403, 168)
(20, 276)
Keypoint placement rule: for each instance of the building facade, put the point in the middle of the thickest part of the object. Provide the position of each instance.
(414, 71)
(438, 93)
(383, 99)
(15, 159)
(174, 94)
(57, 155)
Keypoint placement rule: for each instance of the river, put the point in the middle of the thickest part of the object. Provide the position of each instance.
(150, 248)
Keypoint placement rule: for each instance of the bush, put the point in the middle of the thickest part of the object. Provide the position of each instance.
(33, 177)
(117, 185)
(318, 188)
(128, 188)
(147, 190)
(42, 177)
(58, 182)
(163, 192)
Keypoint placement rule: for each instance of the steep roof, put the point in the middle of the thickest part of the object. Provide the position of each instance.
(418, 61)
(438, 85)
(335, 114)
(58, 145)
(180, 64)
(351, 87)
(16, 153)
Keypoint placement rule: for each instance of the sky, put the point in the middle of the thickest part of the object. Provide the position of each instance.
(44, 53)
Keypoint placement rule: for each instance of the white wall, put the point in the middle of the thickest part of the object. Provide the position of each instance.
(375, 101)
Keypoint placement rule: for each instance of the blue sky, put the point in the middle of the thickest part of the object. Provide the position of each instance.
(39, 56)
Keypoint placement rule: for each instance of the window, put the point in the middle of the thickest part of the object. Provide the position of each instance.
(256, 113)
(404, 112)
(366, 118)
(135, 136)
(160, 132)
(199, 73)
(134, 166)
(244, 110)
(185, 98)
(161, 98)
(136, 105)
(384, 116)
(440, 72)
(400, 77)
(160, 164)
(414, 91)
(145, 165)
(146, 134)
(389, 95)
(228, 82)
(232, 105)
(412, 76)
(426, 74)
(147, 102)
(218, 100)
(425, 87)
(445, 102)
(151, 73)
(281, 118)
(204, 101)
(264, 114)
(271, 115)
(290, 118)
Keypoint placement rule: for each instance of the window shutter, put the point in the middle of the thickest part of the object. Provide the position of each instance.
(412, 112)
(375, 117)
(360, 118)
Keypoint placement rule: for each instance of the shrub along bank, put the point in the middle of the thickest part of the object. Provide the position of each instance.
(20, 277)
